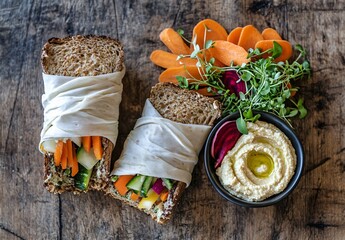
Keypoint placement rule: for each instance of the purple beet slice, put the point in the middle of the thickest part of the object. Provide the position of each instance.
(224, 140)
(233, 82)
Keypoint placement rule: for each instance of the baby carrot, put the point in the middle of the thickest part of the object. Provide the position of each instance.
(58, 153)
(86, 143)
(164, 195)
(97, 147)
(69, 153)
(212, 29)
(268, 44)
(134, 196)
(74, 163)
(166, 59)
(205, 92)
(120, 184)
(270, 34)
(174, 41)
(234, 35)
(189, 72)
(227, 52)
(64, 156)
(249, 37)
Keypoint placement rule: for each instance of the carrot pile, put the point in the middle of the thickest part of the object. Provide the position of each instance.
(65, 154)
(226, 49)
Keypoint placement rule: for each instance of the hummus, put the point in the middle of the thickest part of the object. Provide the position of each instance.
(260, 164)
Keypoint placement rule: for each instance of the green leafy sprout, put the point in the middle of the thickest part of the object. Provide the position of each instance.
(268, 83)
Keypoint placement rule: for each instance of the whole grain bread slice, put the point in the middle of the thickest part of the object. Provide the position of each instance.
(79, 56)
(179, 105)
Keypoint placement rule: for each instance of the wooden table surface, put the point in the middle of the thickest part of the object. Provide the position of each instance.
(316, 208)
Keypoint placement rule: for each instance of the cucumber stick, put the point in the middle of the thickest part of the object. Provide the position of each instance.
(87, 159)
(81, 180)
(146, 186)
(168, 183)
(136, 183)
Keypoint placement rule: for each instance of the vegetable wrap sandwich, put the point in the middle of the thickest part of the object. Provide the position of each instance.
(82, 92)
(161, 151)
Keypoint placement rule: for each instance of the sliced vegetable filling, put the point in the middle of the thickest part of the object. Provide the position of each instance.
(146, 190)
(79, 162)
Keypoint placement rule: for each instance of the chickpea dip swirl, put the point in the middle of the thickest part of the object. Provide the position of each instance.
(260, 165)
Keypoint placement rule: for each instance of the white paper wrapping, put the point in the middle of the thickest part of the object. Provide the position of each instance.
(81, 106)
(161, 148)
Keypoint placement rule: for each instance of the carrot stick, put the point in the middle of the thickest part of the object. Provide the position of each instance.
(249, 37)
(69, 153)
(134, 196)
(164, 195)
(268, 44)
(86, 143)
(97, 147)
(58, 153)
(213, 30)
(234, 35)
(120, 184)
(170, 74)
(167, 60)
(174, 41)
(64, 156)
(75, 167)
(227, 52)
(270, 34)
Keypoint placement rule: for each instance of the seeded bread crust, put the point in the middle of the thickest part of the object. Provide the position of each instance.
(179, 105)
(79, 56)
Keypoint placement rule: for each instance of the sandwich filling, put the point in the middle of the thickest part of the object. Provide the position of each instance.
(81, 106)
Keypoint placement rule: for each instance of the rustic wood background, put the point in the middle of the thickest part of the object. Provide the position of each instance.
(315, 210)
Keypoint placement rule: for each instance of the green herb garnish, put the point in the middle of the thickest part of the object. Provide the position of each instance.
(267, 83)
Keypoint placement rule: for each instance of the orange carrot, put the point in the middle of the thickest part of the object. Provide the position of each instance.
(170, 74)
(134, 196)
(121, 183)
(58, 153)
(97, 147)
(75, 167)
(227, 52)
(206, 55)
(64, 156)
(167, 60)
(203, 91)
(270, 34)
(164, 195)
(174, 41)
(213, 30)
(292, 92)
(86, 143)
(268, 44)
(69, 153)
(234, 35)
(249, 37)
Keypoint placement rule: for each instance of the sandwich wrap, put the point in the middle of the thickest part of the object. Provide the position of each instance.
(81, 106)
(161, 148)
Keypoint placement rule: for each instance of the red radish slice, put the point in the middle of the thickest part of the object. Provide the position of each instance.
(224, 140)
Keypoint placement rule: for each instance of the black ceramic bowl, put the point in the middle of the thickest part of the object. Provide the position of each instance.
(285, 128)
